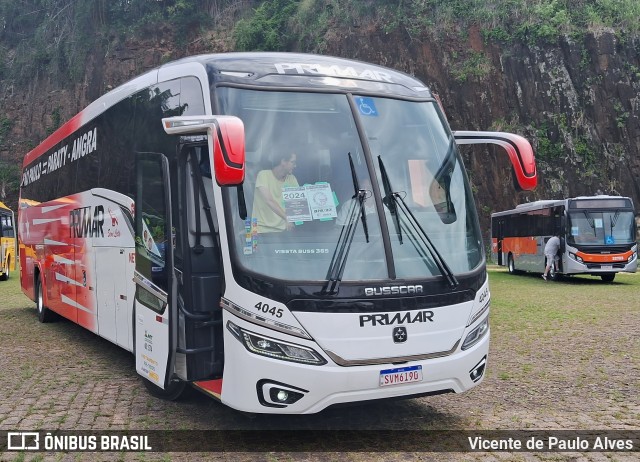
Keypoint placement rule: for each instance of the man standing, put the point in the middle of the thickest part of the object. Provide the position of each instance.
(551, 253)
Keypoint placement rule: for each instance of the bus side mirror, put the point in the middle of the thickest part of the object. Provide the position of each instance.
(226, 140)
(518, 148)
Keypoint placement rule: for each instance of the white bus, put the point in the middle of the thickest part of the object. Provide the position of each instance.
(597, 236)
(137, 221)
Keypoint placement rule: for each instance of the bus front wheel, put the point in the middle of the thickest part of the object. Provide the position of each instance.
(609, 277)
(171, 393)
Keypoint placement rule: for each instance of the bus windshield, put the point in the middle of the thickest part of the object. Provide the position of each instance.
(593, 227)
(315, 204)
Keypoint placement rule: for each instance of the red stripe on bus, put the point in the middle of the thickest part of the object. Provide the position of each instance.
(56, 137)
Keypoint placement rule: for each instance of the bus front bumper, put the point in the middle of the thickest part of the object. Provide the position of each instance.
(572, 266)
(253, 383)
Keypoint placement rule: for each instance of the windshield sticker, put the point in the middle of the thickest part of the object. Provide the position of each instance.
(321, 201)
(575, 231)
(609, 240)
(250, 235)
(296, 205)
(598, 223)
(366, 106)
(301, 251)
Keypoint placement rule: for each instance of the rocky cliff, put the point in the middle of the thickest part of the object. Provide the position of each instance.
(577, 101)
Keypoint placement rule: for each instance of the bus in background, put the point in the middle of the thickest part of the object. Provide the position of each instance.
(597, 236)
(7, 242)
(138, 219)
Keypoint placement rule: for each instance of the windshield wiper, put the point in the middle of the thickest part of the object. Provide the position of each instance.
(340, 254)
(394, 201)
(389, 198)
(613, 221)
(591, 222)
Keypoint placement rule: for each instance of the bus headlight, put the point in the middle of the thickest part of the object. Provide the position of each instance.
(476, 334)
(277, 349)
(576, 258)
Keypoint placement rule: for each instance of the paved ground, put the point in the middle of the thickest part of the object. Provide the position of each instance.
(61, 377)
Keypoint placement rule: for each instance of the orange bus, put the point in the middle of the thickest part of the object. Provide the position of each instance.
(597, 236)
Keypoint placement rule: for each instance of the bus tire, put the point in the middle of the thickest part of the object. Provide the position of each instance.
(5, 275)
(44, 313)
(511, 266)
(172, 393)
(609, 277)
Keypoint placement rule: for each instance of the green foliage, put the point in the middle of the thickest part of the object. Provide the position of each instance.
(56, 120)
(56, 36)
(621, 115)
(267, 29)
(585, 152)
(474, 65)
(5, 126)
(186, 17)
(9, 180)
(532, 21)
(545, 148)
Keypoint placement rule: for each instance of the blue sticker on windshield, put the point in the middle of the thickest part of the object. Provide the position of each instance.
(366, 106)
(609, 240)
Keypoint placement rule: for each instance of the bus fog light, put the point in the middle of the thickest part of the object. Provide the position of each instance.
(478, 370)
(277, 349)
(476, 334)
(278, 394)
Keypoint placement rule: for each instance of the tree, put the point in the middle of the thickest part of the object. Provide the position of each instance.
(9, 180)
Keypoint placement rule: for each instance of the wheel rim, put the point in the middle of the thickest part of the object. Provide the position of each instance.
(40, 300)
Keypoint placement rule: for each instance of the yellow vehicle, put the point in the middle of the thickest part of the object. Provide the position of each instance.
(7, 242)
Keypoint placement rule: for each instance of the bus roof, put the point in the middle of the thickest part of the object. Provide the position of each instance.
(258, 69)
(307, 70)
(544, 204)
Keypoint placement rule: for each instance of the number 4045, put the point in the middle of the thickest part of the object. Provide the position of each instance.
(272, 310)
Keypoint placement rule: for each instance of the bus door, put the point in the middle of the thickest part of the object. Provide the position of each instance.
(7, 245)
(499, 241)
(155, 332)
(214, 149)
(200, 351)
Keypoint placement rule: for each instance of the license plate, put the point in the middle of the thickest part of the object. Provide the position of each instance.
(400, 375)
(606, 267)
